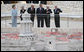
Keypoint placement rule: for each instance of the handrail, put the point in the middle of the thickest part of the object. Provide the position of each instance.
(52, 15)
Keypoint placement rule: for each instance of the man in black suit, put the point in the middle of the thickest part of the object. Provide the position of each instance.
(56, 16)
(47, 18)
(40, 16)
(31, 10)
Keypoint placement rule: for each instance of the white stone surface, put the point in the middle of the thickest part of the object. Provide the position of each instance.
(38, 42)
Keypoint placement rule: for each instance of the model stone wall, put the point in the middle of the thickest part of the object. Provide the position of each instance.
(70, 6)
(66, 6)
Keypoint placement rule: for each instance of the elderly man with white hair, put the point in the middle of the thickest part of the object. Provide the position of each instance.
(47, 17)
(57, 16)
(31, 10)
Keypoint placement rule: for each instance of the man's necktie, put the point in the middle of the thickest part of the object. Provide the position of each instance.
(40, 10)
(55, 10)
(31, 9)
(47, 10)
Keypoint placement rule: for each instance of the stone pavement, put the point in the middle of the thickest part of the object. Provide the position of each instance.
(41, 43)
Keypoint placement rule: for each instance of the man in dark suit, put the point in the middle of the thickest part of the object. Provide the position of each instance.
(31, 10)
(40, 16)
(56, 16)
(47, 18)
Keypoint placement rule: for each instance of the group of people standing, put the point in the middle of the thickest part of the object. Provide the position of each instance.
(42, 15)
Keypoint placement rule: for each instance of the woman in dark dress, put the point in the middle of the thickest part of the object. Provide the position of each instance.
(22, 11)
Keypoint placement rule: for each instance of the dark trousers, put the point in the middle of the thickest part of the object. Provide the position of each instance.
(47, 20)
(57, 20)
(40, 21)
(32, 18)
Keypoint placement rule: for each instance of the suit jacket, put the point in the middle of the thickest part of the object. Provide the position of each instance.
(57, 11)
(32, 12)
(47, 14)
(22, 11)
(49, 10)
(40, 13)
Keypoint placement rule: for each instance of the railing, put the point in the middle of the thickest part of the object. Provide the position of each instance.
(66, 20)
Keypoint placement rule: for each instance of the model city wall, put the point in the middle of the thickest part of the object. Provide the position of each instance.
(66, 6)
